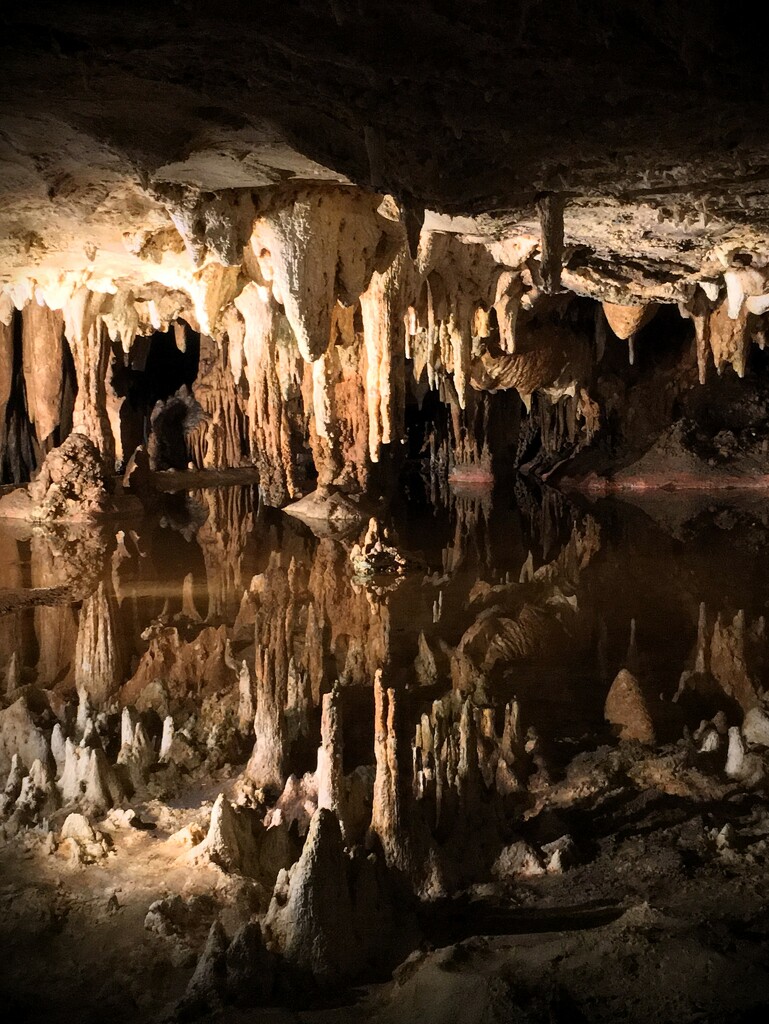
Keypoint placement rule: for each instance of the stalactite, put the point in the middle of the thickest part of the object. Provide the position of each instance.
(322, 246)
(6, 380)
(729, 338)
(625, 321)
(550, 208)
(699, 310)
(219, 441)
(383, 307)
(338, 423)
(270, 430)
(90, 347)
(507, 303)
(42, 354)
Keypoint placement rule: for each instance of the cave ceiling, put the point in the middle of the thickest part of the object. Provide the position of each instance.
(645, 118)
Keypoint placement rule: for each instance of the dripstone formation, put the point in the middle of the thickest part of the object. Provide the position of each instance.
(478, 295)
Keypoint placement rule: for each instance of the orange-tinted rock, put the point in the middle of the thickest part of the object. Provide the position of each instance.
(626, 709)
(625, 321)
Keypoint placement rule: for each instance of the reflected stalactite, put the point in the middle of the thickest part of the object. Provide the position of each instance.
(267, 765)
(356, 625)
(223, 540)
(99, 649)
(55, 625)
(727, 664)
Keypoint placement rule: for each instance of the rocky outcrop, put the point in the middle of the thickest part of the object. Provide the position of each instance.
(69, 486)
(237, 841)
(331, 919)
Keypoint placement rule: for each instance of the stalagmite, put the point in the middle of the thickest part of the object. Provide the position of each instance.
(395, 820)
(38, 797)
(330, 778)
(89, 844)
(511, 768)
(12, 789)
(88, 781)
(69, 486)
(755, 727)
(58, 747)
(167, 738)
(20, 734)
(735, 757)
(137, 756)
(246, 709)
(626, 709)
(231, 841)
(13, 674)
(310, 921)
(729, 660)
(386, 818)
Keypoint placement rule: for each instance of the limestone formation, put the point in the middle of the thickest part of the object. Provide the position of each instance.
(331, 919)
(237, 841)
(627, 711)
(20, 734)
(69, 486)
(456, 274)
(43, 364)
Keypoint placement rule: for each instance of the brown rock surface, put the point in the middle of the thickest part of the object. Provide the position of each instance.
(627, 711)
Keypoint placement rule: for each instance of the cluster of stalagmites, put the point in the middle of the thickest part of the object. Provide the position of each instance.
(722, 677)
(91, 763)
(430, 821)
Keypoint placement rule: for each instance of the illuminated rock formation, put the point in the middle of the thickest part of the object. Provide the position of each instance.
(69, 486)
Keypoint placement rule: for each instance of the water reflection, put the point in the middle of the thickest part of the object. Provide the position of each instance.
(544, 599)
